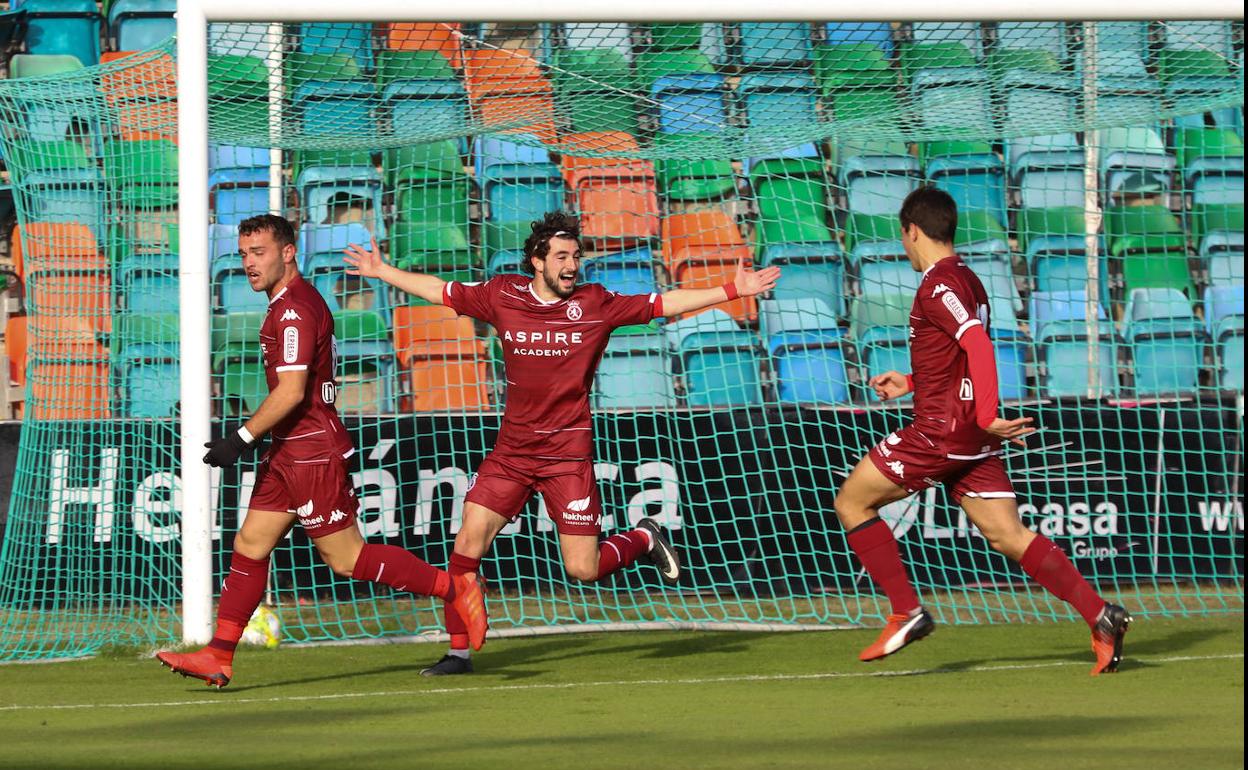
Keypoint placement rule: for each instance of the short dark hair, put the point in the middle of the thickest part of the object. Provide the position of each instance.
(283, 231)
(552, 224)
(933, 210)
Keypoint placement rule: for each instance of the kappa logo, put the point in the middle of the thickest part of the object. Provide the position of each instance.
(472, 481)
(940, 289)
(579, 505)
(336, 516)
(304, 510)
(893, 439)
(574, 310)
(290, 315)
(897, 467)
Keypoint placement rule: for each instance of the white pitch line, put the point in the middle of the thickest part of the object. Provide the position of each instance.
(222, 701)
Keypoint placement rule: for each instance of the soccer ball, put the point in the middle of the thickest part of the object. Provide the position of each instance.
(264, 629)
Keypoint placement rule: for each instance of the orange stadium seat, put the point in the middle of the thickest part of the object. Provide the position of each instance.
(144, 97)
(576, 168)
(425, 36)
(15, 348)
(67, 368)
(620, 211)
(705, 275)
(446, 363)
(713, 227)
(508, 90)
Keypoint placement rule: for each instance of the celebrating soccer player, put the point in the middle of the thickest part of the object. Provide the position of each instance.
(554, 332)
(956, 440)
(304, 475)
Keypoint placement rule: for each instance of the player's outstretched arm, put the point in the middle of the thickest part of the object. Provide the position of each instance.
(746, 283)
(890, 385)
(281, 401)
(371, 264)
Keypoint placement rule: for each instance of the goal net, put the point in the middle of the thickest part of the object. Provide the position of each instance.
(1098, 170)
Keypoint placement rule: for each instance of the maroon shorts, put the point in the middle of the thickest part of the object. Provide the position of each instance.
(319, 492)
(504, 483)
(910, 460)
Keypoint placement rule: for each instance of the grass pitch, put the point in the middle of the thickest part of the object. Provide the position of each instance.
(1013, 696)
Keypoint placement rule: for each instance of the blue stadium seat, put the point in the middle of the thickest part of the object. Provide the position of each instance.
(238, 179)
(237, 38)
(320, 254)
(811, 270)
(807, 350)
(1011, 355)
(1226, 267)
(1224, 322)
(719, 363)
(518, 182)
(355, 39)
(322, 189)
(974, 181)
(504, 263)
(146, 359)
(635, 373)
(426, 106)
(877, 179)
(149, 283)
(624, 272)
(774, 44)
(1166, 341)
(1059, 326)
(230, 290)
(137, 25)
(66, 27)
(1068, 271)
(691, 103)
(778, 100)
(877, 33)
(1123, 81)
(954, 98)
(335, 107)
(1046, 36)
(366, 362)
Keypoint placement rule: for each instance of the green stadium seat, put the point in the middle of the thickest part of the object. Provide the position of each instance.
(421, 163)
(1157, 270)
(393, 66)
(1134, 229)
(432, 247)
(594, 87)
(366, 362)
(705, 173)
(652, 65)
(853, 66)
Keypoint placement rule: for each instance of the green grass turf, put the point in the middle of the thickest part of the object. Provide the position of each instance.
(998, 696)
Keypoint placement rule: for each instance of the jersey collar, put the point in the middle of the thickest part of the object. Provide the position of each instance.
(931, 267)
(540, 300)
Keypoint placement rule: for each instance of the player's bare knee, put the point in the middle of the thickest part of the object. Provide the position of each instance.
(342, 565)
(581, 570)
(249, 546)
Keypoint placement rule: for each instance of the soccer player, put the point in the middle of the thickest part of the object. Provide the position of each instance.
(955, 439)
(304, 476)
(554, 332)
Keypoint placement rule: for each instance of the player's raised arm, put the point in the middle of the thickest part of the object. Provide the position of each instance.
(746, 283)
(371, 264)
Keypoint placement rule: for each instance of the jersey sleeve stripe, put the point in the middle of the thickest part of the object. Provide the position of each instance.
(962, 329)
(291, 368)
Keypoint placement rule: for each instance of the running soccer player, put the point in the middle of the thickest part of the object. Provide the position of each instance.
(554, 332)
(304, 476)
(956, 440)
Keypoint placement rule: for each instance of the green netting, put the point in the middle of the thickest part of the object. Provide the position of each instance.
(684, 148)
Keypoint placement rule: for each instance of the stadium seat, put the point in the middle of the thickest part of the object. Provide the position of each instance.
(320, 253)
(1059, 326)
(1224, 321)
(971, 173)
(238, 180)
(16, 349)
(64, 273)
(1226, 268)
(445, 364)
(238, 371)
(143, 95)
(70, 117)
(708, 227)
(1122, 77)
(507, 89)
(810, 271)
(365, 355)
(651, 65)
(877, 177)
(705, 173)
(441, 199)
(690, 103)
(425, 36)
(327, 194)
(617, 199)
(433, 247)
(504, 263)
(148, 283)
(1157, 270)
(624, 272)
(1136, 229)
(886, 293)
(63, 27)
(337, 38)
(422, 163)
(1127, 154)
(146, 355)
(807, 350)
(421, 92)
(791, 208)
(230, 289)
(64, 184)
(772, 44)
(954, 99)
(69, 390)
(518, 182)
(712, 267)
(719, 363)
(1068, 271)
(635, 372)
(1033, 46)
(1166, 341)
(137, 25)
(778, 101)
(601, 36)
(877, 34)
(707, 40)
(239, 88)
(1196, 58)
(594, 89)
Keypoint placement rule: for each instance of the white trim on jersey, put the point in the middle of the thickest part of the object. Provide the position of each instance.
(542, 301)
(980, 456)
(279, 295)
(291, 368)
(962, 329)
(301, 435)
(558, 430)
(991, 495)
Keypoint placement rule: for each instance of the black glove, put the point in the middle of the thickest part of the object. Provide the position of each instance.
(225, 451)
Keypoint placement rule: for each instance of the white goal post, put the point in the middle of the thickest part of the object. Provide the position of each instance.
(193, 16)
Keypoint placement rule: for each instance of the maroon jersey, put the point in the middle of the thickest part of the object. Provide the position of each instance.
(298, 334)
(550, 350)
(950, 300)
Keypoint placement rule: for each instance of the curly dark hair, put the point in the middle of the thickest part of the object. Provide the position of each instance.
(552, 224)
(281, 228)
